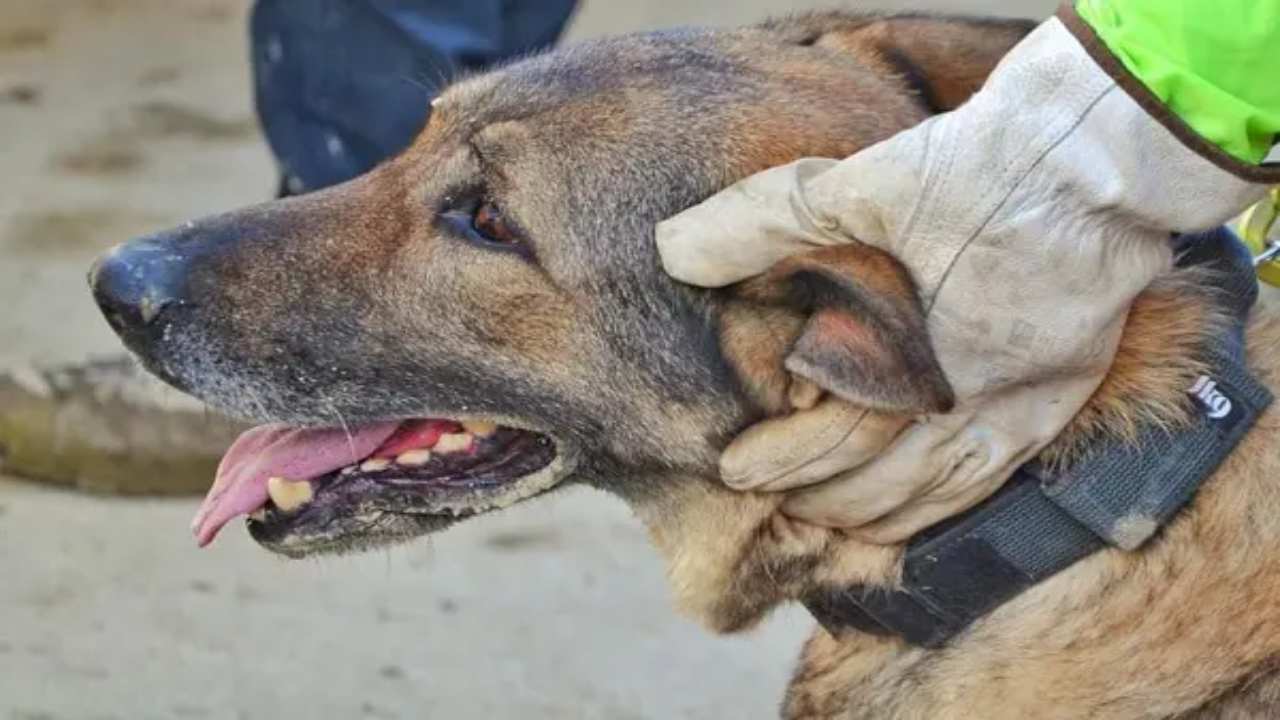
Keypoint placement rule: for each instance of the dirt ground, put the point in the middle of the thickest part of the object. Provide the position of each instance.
(118, 117)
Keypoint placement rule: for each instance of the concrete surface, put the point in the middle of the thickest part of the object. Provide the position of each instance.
(124, 116)
(558, 610)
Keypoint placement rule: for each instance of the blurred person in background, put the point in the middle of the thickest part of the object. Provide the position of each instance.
(342, 85)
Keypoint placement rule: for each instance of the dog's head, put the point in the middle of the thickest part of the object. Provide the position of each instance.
(502, 271)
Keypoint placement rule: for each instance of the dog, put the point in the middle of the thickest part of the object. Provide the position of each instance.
(484, 319)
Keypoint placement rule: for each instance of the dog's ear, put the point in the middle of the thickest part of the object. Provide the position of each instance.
(942, 59)
(865, 337)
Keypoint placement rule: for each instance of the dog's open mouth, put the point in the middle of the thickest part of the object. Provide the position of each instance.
(308, 490)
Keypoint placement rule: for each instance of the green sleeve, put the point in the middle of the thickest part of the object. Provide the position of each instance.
(1213, 63)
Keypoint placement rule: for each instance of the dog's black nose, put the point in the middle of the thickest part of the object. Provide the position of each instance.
(137, 285)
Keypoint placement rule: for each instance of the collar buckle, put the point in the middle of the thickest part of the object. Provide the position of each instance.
(1261, 232)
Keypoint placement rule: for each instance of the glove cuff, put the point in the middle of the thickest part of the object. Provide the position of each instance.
(1153, 106)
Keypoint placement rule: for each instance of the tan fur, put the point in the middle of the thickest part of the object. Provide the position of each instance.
(760, 364)
(1153, 363)
(1189, 625)
(951, 61)
(386, 312)
(1191, 619)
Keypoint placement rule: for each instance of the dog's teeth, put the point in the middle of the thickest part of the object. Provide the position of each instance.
(348, 470)
(480, 428)
(375, 464)
(414, 458)
(260, 514)
(289, 495)
(453, 443)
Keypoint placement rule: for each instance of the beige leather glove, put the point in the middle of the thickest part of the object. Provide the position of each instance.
(1029, 218)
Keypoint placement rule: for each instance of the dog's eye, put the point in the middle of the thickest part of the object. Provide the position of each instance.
(489, 222)
(483, 223)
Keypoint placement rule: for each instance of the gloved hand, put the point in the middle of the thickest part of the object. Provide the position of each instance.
(1029, 218)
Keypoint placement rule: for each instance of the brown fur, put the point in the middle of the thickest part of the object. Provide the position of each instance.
(1156, 362)
(385, 310)
(1152, 634)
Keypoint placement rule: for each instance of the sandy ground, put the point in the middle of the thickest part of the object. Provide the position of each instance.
(123, 116)
(559, 610)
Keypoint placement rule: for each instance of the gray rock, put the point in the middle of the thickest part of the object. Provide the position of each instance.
(108, 427)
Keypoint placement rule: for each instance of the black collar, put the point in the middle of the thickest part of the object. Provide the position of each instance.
(1038, 524)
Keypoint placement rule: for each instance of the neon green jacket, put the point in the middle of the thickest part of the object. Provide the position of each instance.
(1214, 63)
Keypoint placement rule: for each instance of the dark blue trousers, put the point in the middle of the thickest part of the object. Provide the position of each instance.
(341, 85)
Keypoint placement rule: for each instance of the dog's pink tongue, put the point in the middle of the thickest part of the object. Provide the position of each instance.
(240, 486)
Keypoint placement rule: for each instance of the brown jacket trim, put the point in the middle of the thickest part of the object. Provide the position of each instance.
(1098, 50)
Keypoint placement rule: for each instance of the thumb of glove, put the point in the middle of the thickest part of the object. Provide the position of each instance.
(744, 230)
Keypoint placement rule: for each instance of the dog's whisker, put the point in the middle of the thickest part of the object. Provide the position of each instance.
(351, 443)
(420, 83)
(431, 79)
(257, 402)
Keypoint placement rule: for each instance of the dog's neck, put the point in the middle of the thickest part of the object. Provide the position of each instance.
(1189, 626)
(734, 556)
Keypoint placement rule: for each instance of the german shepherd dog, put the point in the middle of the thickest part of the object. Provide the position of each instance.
(484, 319)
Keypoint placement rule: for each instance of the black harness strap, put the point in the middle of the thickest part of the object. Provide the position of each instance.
(1037, 525)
